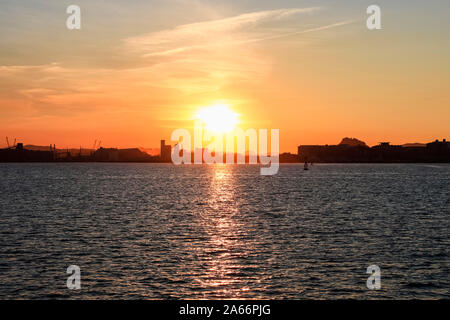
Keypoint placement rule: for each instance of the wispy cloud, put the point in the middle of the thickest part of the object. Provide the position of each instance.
(214, 58)
(229, 31)
(288, 34)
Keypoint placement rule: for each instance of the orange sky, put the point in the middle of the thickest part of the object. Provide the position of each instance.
(313, 71)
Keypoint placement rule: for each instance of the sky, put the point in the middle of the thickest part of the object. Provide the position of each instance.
(139, 69)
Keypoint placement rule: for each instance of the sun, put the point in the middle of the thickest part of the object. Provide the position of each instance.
(218, 118)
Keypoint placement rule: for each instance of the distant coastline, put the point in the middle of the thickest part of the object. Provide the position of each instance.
(355, 151)
(350, 150)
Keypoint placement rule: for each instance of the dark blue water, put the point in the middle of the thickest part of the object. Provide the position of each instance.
(150, 231)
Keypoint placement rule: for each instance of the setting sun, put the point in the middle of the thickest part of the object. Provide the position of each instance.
(218, 118)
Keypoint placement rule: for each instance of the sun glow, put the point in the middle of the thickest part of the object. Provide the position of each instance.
(218, 118)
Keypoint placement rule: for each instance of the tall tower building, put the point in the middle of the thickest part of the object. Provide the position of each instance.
(166, 152)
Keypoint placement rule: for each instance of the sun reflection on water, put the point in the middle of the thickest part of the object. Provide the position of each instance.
(225, 245)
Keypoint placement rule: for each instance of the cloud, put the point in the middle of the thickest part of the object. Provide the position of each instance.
(205, 56)
(203, 35)
(191, 60)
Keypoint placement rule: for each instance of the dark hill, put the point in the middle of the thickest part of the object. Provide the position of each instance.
(353, 142)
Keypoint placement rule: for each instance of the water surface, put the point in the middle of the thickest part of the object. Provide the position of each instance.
(156, 231)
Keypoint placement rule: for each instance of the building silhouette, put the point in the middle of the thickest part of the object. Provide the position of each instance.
(437, 151)
(18, 153)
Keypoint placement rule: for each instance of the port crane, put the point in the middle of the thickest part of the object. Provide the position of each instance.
(11, 146)
(97, 145)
